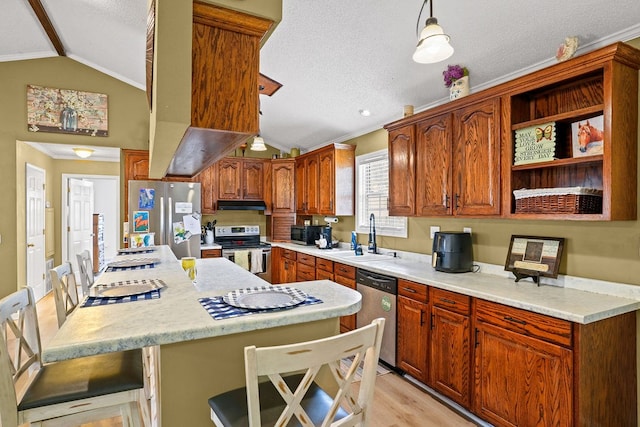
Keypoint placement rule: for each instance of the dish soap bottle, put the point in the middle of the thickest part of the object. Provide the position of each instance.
(354, 240)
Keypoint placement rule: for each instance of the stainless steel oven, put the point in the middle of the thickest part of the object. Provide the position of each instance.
(234, 238)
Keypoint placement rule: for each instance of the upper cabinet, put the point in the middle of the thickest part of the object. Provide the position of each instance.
(447, 164)
(459, 158)
(325, 181)
(560, 99)
(241, 179)
(283, 194)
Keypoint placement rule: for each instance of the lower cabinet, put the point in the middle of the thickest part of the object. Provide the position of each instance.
(285, 266)
(450, 356)
(523, 368)
(345, 275)
(305, 267)
(211, 253)
(413, 329)
(324, 269)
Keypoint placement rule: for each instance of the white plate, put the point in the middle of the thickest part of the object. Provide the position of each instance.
(126, 288)
(265, 297)
(133, 262)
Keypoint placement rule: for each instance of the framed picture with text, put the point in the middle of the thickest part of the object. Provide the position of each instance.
(531, 256)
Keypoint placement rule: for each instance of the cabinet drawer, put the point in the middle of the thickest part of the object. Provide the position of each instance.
(413, 290)
(344, 270)
(211, 253)
(525, 322)
(324, 275)
(324, 264)
(305, 272)
(452, 301)
(309, 260)
(289, 254)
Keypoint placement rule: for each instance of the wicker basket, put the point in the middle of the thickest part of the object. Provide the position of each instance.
(575, 200)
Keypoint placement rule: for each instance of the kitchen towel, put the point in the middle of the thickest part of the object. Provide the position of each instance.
(242, 259)
(256, 260)
(218, 309)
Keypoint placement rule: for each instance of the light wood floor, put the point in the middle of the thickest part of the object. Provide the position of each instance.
(397, 402)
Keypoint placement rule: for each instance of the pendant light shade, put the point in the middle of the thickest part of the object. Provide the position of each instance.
(258, 144)
(433, 44)
(82, 152)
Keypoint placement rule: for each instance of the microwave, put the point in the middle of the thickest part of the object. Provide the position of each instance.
(305, 234)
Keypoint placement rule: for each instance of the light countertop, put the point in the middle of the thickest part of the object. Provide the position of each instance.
(177, 315)
(568, 303)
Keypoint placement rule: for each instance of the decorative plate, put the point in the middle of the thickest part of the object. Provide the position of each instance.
(142, 249)
(126, 288)
(135, 262)
(265, 297)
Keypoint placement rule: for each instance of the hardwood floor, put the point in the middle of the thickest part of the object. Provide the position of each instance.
(397, 401)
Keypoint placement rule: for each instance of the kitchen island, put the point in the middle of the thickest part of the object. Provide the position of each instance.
(198, 356)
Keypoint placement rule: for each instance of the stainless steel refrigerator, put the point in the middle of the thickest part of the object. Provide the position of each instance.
(168, 210)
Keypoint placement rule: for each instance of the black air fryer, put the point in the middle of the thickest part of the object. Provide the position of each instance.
(452, 252)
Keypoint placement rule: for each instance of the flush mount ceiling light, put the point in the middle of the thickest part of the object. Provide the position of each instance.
(82, 152)
(364, 112)
(433, 43)
(258, 144)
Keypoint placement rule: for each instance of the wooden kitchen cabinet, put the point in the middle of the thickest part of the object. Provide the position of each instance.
(316, 177)
(345, 275)
(413, 329)
(211, 253)
(450, 355)
(287, 268)
(324, 269)
(283, 187)
(305, 267)
(241, 179)
(402, 171)
(306, 183)
(208, 179)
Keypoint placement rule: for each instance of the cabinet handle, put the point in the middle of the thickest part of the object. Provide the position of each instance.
(457, 201)
(433, 323)
(446, 201)
(413, 291)
(511, 319)
(477, 341)
(448, 301)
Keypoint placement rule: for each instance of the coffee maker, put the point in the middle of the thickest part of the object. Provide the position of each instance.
(452, 252)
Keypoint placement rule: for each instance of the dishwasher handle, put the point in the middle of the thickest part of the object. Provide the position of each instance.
(377, 281)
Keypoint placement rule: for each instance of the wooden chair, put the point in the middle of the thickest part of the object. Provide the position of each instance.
(65, 290)
(67, 393)
(277, 401)
(85, 267)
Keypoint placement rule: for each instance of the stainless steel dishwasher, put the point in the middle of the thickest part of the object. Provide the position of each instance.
(379, 299)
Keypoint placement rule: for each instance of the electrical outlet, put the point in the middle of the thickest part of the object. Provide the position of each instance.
(432, 230)
(466, 230)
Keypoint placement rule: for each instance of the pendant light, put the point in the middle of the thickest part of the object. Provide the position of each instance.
(433, 44)
(258, 144)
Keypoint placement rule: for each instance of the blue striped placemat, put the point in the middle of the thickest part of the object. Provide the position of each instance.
(218, 309)
(95, 301)
(136, 267)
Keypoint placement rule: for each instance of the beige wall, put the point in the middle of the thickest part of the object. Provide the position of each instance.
(128, 127)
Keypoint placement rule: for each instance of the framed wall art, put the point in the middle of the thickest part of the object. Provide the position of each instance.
(535, 257)
(67, 111)
(587, 136)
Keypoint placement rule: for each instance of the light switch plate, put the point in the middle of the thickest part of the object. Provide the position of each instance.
(432, 230)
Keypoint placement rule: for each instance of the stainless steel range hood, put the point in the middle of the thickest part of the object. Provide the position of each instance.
(241, 205)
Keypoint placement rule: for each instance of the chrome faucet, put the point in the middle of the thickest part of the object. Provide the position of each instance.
(373, 246)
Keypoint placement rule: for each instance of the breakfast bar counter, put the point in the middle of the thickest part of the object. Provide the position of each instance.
(198, 356)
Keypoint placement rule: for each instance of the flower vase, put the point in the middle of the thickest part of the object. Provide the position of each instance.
(69, 119)
(459, 88)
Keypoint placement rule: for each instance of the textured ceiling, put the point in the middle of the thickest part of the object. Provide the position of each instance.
(336, 57)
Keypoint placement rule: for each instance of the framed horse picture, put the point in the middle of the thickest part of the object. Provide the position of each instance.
(587, 136)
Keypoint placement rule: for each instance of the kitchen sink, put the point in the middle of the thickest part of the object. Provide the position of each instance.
(348, 255)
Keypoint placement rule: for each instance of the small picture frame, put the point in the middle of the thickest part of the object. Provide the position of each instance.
(587, 136)
(535, 257)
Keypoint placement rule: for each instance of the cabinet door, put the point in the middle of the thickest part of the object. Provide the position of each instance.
(413, 335)
(476, 161)
(253, 179)
(287, 273)
(136, 167)
(326, 183)
(208, 187)
(300, 186)
(345, 276)
(282, 174)
(450, 355)
(521, 381)
(402, 196)
(229, 179)
(434, 137)
(312, 184)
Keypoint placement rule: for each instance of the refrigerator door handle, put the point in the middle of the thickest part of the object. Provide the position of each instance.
(169, 228)
(162, 222)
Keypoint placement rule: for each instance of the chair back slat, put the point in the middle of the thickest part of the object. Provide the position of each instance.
(363, 345)
(19, 349)
(65, 291)
(85, 267)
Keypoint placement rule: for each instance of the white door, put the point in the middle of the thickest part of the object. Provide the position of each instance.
(35, 178)
(80, 224)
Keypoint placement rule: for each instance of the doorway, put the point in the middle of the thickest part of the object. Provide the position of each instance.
(106, 200)
(35, 227)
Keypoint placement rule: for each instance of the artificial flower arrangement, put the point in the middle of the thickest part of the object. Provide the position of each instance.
(453, 73)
